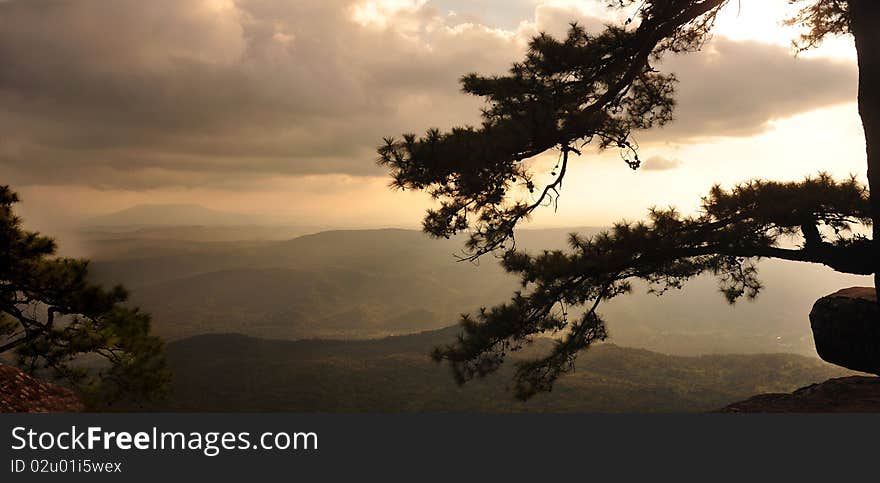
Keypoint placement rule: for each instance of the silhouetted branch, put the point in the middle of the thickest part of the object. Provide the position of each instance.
(736, 228)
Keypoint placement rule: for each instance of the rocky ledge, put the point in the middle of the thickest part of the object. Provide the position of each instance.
(846, 329)
(21, 393)
(855, 394)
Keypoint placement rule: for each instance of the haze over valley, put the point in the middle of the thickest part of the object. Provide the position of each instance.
(372, 283)
(319, 308)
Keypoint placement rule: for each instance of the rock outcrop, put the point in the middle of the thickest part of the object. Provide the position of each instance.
(846, 329)
(21, 393)
(855, 394)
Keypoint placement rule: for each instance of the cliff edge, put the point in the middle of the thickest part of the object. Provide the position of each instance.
(846, 330)
(855, 394)
(21, 393)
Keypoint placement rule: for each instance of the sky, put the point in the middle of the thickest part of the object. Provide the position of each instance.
(276, 107)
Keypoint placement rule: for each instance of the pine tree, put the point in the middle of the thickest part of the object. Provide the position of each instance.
(598, 89)
(54, 321)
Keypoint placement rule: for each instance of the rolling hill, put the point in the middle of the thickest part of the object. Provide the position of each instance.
(373, 283)
(231, 372)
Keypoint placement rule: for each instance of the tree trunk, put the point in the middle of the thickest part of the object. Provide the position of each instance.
(865, 25)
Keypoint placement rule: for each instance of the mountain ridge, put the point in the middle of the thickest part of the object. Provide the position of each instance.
(384, 275)
(395, 374)
(173, 214)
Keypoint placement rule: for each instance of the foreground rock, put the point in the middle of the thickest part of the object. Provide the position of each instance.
(846, 329)
(856, 394)
(21, 393)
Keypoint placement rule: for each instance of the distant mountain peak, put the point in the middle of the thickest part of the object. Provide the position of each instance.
(170, 214)
(147, 206)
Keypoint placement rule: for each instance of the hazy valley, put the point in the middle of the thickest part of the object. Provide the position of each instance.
(394, 374)
(373, 283)
(284, 317)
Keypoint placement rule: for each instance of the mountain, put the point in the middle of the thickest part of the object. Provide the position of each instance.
(853, 394)
(195, 233)
(373, 283)
(334, 284)
(170, 214)
(231, 372)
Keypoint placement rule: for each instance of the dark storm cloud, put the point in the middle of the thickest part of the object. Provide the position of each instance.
(210, 92)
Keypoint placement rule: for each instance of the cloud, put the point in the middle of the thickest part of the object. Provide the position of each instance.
(735, 88)
(660, 163)
(215, 93)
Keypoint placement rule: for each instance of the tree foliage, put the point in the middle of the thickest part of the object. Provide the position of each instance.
(821, 19)
(566, 93)
(735, 228)
(599, 89)
(52, 319)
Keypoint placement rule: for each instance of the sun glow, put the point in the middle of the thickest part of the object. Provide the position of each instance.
(220, 5)
(763, 21)
(377, 13)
